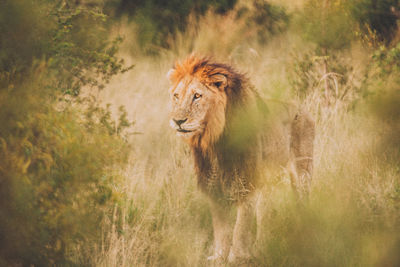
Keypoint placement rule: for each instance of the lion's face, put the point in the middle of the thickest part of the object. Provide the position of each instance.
(198, 109)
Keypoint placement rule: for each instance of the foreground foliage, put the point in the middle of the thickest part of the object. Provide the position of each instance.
(57, 166)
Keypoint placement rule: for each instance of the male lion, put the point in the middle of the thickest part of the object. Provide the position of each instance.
(235, 138)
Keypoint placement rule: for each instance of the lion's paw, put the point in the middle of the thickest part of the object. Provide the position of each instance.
(214, 257)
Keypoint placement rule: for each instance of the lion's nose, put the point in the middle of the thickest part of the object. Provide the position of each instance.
(179, 122)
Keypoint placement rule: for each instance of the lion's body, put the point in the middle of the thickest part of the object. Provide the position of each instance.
(236, 140)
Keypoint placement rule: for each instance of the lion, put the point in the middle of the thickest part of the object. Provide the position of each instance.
(236, 139)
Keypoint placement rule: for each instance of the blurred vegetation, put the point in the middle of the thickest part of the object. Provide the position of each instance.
(378, 18)
(333, 26)
(265, 18)
(57, 166)
(160, 20)
(80, 51)
(382, 90)
(72, 40)
(330, 76)
(322, 22)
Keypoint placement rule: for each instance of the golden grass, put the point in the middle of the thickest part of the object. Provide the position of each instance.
(164, 220)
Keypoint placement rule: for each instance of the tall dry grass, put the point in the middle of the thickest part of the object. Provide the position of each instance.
(351, 218)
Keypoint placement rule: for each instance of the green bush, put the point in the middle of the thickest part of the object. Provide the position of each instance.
(376, 17)
(329, 76)
(74, 41)
(328, 24)
(265, 18)
(382, 92)
(56, 177)
(159, 21)
(58, 161)
(24, 36)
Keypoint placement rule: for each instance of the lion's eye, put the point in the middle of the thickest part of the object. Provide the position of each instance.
(176, 97)
(196, 96)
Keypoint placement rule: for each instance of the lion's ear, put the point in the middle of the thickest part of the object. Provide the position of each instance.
(170, 75)
(220, 81)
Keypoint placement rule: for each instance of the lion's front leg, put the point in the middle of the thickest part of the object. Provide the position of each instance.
(222, 231)
(241, 243)
(302, 151)
(300, 181)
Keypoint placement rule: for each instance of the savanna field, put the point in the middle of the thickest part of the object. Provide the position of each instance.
(91, 174)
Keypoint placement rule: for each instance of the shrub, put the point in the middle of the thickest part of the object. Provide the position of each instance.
(376, 18)
(159, 21)
(264, 18)
(328, 24)
(327, 79)
(58, 161)
(382, 92)
(56, 175)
